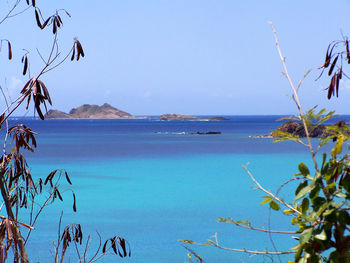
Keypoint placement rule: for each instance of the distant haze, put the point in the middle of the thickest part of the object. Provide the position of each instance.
(184, 56)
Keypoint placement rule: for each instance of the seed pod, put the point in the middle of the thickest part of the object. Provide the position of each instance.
(27, 2)
(33, 3)
(38, 19)
(347, 51)
(58, 23)
(80, 48)
(337, 83)
(46, 92)
(24, 90)
(73, 54)
(25, 65)
(10, 50)
(332, 66)
(45, 23)
(331, 88)
(74, 203)
(59, 18)
(28, 101)
(54, 27)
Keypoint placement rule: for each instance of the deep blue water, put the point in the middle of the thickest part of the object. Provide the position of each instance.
(143, 181)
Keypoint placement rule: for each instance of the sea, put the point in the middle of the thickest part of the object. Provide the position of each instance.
(156, 182)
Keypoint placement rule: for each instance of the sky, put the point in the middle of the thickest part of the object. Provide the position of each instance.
(201, 57)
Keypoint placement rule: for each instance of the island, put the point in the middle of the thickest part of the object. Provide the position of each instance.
(297, 129)
(181, 117)
(88, 111)
(106, 111)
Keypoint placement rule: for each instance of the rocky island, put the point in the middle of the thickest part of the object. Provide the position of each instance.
(88, 111)
(181, 117)
(297, 129)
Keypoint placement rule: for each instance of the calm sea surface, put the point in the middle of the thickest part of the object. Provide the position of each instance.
(154, 183)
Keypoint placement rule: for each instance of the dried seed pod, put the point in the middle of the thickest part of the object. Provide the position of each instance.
(67, 178)
(54, 27)
(331, 88)
(74, 203)
(46, 92)
(73, 54)
(25, 67)
(68, 14)
(28, 101)
(347, 50)
(45, 23)
(79, 48)
(333, 65)
(37, 17)
(58, 23)
(10, 50)
(33, 3)
(59, 19)
(337, 83)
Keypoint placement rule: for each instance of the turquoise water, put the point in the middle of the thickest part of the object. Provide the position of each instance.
(156, 188)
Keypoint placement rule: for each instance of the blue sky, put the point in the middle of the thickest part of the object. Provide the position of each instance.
(184, 56)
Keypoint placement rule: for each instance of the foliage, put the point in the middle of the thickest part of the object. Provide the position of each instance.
(320, 208)
(22, 195)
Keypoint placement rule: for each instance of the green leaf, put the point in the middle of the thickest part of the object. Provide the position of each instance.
(303, 169)
(304, 191)
(185, 241)
(274, 205)
(305, 236)
(338, 146)
(321, 236)
(305, 205)
(266, 200)
(294, 221)
(288, 212)
(324, 141)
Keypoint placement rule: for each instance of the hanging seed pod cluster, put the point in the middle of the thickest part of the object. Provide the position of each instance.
(337, 53)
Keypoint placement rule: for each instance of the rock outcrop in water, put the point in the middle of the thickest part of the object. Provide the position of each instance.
(298, 130)
(88, 111)
(181, 117)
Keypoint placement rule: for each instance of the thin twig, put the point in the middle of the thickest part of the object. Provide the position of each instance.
(296, 97)
(269, 193)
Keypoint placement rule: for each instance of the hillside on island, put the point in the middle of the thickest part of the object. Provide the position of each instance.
(88, 111)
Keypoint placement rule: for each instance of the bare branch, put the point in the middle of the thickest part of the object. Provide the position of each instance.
(269, 193)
